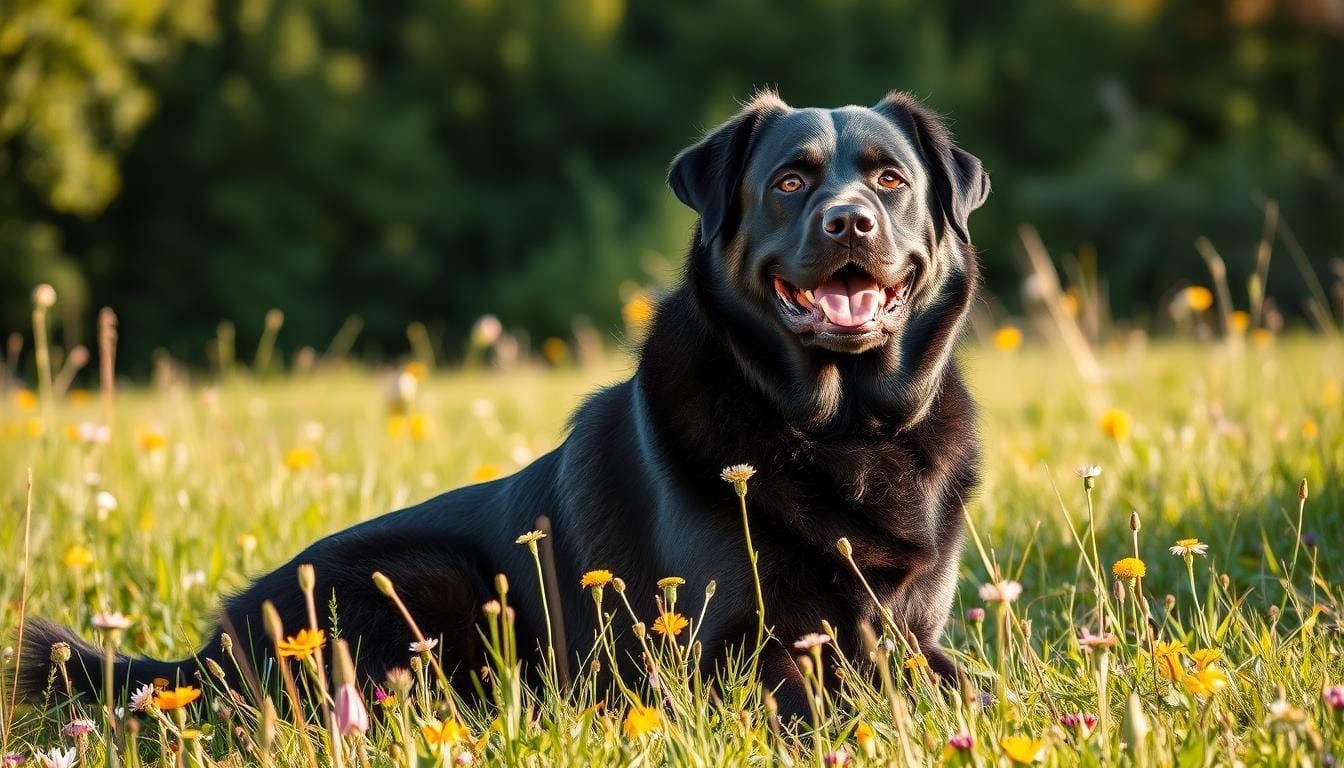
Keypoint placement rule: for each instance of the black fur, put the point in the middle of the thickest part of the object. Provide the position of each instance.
(868, 436)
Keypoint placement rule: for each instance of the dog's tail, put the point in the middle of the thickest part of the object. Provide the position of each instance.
(46, 644)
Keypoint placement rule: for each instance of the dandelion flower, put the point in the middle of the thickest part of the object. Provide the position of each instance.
(1197, 297)
(111, 620)
(738, 473)
(1239, 321)
(444, 735)
(1205, 657)
(1206, 682)
(598, 578)
(1000, 592)
(424, 646)
(640, 721)
(302, 645)
(79, 557)
(811, 640)
(1129, 568)
(670, 581)
(864, 735)
(151, 440)
(484, 473)
(637, 311)
(1167, 657)
(176, 698)
(299, 459)
(916, 661)
(1007, 338)
(670, 624)
(1115, 424)
(1185, 547)
(1023, 750)
(530, 537)
(25, 400)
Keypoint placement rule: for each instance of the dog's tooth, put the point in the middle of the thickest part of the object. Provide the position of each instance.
(806, 299)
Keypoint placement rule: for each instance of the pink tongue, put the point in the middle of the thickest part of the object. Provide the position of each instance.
(849, 302)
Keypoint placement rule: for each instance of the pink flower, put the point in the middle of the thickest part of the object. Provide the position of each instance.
(1334, 697)
(351, 716)
(838, 757)
(1084, 722)
(961, 741)
(78, 728)
(12, 760)
(975, 614)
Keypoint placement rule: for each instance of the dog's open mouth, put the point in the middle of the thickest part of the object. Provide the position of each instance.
(850, 301)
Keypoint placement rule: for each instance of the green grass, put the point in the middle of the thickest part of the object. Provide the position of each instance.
(1221, 436)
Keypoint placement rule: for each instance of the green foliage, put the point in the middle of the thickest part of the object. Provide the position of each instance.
(422, 159)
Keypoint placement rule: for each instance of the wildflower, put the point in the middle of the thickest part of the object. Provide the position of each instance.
(1088, 472)
(1197, 297)
(738, 473)
(975, 614)
(1310, 428)
(58, 758)
(76, 728)
(638, 310)
(811, 640)
(169, 699)
(1187, 547)
(960, 744)
(444, 735)
(1007, 338)
(351, 716)
(78, 557)
(839, 757)
(863, 734)
(111, 621)
(1082, 722)
(555, 350)
(531, 537)
(424, 646)
(1167, 657)
(105, 502)
(299, 459)
(1022, 750)
(1239, 321)
(25, 400)
(1115, 424)
(44, 296)
(1334, 697)
(486, 331)
(150, 439)
(247, 542)
(598, 578)
(11, 760)
(484, 473)
(670, 581)
(60, 652)
(642, 720)
(1205, 656)
(916, 661)
(1206, 682)
(1000, 592)
(1129, 568)
(419, 427)
(302, 645)
(670, 624)
(1262, 337)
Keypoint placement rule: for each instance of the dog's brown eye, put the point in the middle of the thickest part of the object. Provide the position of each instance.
(890, 180)
(790, 183)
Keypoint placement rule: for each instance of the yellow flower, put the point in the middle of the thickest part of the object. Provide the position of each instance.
(1309, 428)
(1007, 338)
(25, 400)
(1167, 657)
(642, 720)
(1206, 682)
(1198, 298)
(302, 645)
(1239, 321)
(298, 459)
(863, 734)
(1262, 337)
(484, 473)
(599, 578)
(396, 426)
(1330, 393)
(1023, 750)
(916, 661)
(637, 311)
(1069, 302)
(1184, 547)
(444, 735)
(419, 426)
(670, 581)
(670, 624)
(530, 537)
(1205, 657)
(417, 369)
(1129, 568)
(78, 557)
(169, 699)
(738, 473)
(150, 440)
(556, 351)
(1115, 424)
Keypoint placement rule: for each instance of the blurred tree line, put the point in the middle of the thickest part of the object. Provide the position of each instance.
(187, 161)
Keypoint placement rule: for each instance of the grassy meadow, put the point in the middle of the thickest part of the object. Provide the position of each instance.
(199, 485)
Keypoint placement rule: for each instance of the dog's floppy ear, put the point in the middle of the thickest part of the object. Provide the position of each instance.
(706, 176)
(959, 181)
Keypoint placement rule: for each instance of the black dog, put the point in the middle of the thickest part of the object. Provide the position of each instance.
(811, 337)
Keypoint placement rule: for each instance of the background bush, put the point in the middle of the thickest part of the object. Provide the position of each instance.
(189, 161)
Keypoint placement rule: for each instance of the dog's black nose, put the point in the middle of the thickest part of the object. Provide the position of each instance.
(844, 222)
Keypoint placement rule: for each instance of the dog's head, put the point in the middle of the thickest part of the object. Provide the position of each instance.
(836, 235)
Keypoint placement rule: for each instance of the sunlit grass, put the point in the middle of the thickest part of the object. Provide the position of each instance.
(197, 488)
